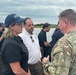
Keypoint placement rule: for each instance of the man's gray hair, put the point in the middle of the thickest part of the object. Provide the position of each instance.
(69, 14)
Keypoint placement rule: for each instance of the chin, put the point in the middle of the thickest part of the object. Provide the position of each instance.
(20, 32)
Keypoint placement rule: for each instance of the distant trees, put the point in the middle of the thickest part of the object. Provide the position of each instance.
(40, 25)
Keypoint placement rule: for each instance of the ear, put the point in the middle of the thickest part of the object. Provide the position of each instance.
(66, 22)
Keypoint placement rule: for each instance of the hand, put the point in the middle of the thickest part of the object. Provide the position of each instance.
(45, 59)
(47, 44)
(29, 72)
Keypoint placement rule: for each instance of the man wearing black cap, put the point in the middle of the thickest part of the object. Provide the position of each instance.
(14, 53)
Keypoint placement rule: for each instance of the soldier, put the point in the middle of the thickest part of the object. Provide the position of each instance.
(64, 51)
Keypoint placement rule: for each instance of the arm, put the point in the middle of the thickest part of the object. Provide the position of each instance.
(60, 60)
(1, 38)
(17, 69)
(43, 40)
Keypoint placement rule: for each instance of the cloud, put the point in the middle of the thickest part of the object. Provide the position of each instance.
(40, 11)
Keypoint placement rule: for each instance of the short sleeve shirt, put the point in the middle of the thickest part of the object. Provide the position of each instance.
(42, 38)
(13, 50)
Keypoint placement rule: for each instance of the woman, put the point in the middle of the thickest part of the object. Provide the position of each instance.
(13, 52)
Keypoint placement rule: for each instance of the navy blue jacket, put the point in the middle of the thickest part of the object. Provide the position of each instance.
(55, 37)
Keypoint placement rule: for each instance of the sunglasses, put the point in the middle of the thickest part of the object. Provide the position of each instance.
(32, 39)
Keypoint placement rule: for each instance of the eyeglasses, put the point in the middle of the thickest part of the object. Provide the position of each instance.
(32, 39)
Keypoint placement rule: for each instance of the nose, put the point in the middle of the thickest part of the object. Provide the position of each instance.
(32, 25)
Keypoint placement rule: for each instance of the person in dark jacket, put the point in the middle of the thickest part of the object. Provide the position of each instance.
(1, 41)
(1, 35)
(56, 36)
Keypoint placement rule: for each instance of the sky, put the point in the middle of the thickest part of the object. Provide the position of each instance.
(40, 11)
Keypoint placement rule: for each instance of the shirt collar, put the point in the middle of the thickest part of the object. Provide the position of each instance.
(43, 31)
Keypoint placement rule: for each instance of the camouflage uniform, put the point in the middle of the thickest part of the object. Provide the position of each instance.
(63, 56)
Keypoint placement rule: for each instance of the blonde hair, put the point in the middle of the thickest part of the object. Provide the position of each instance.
(7, 33)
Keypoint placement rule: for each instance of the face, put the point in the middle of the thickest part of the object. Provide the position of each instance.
(62, 25)
(48, 29)
(29, 26)
(16, 28)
